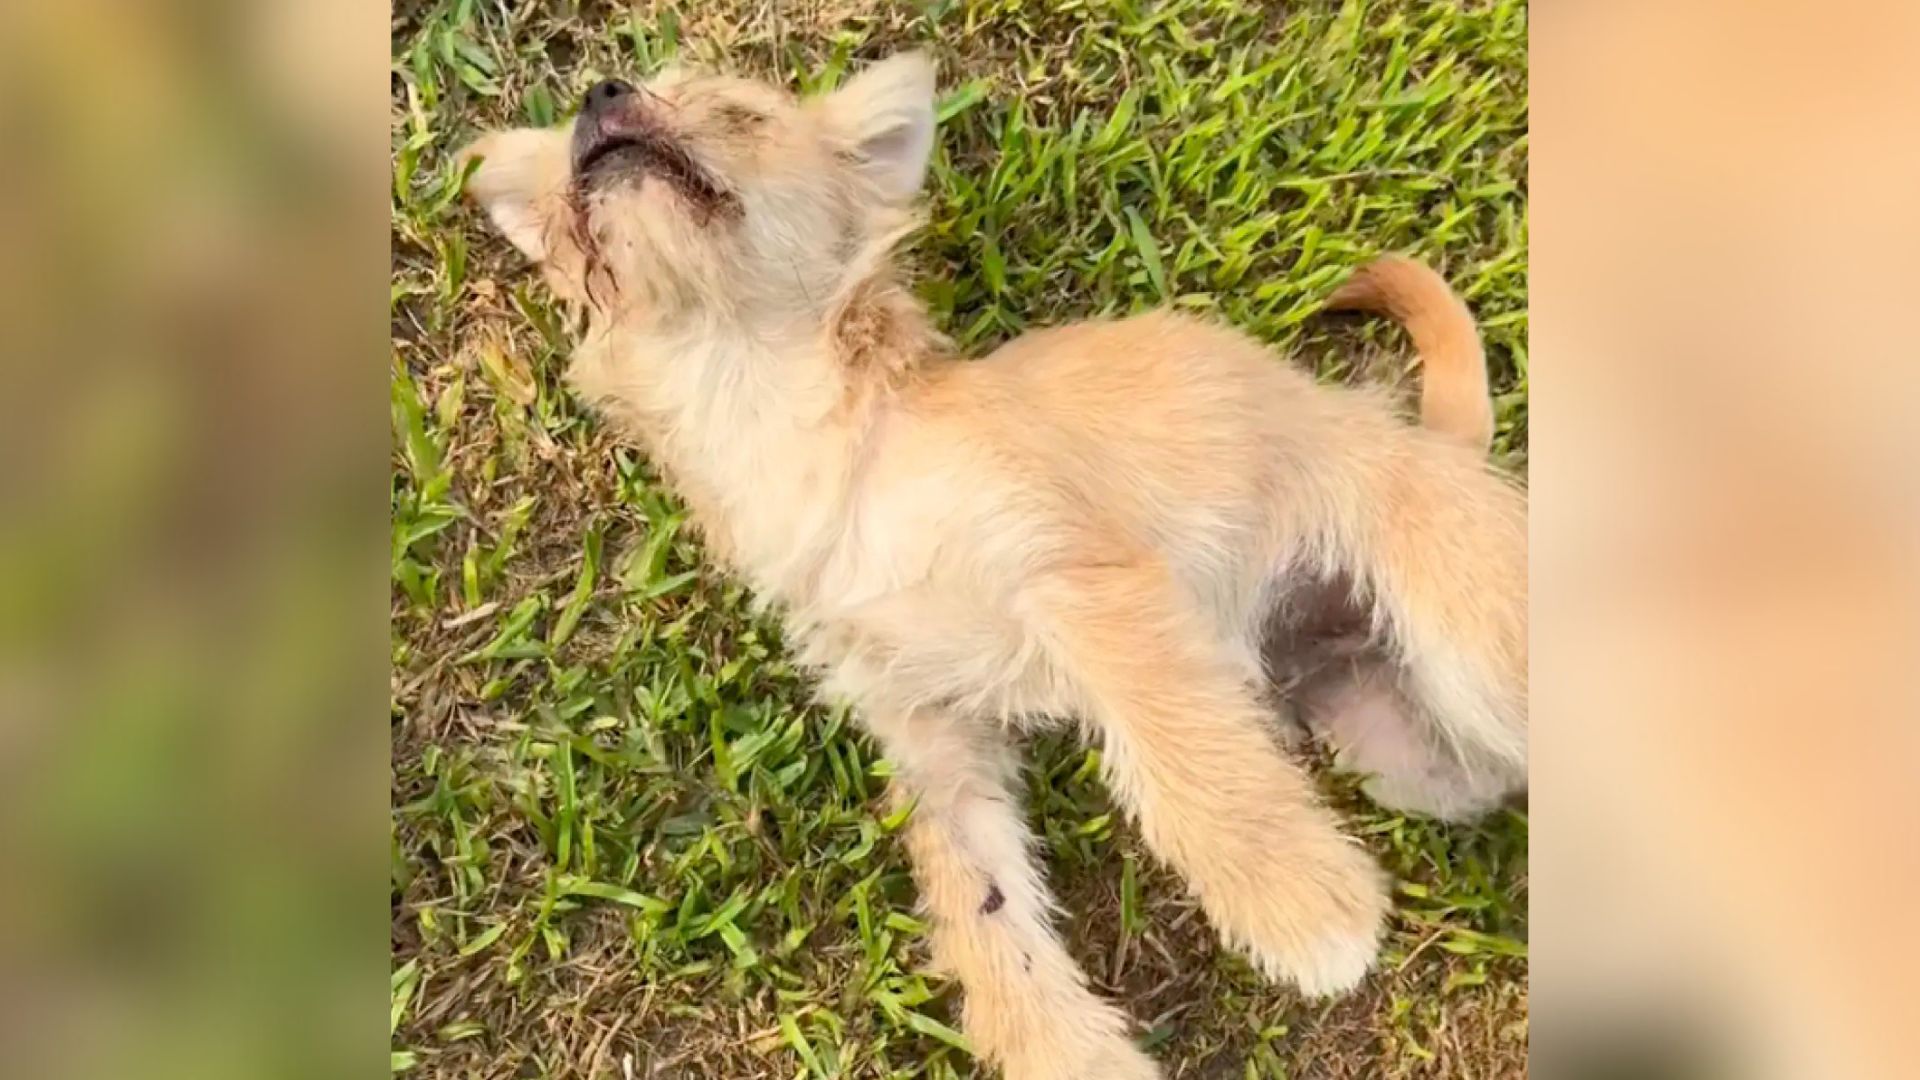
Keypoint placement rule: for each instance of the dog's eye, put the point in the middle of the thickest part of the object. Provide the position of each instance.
(738, 118)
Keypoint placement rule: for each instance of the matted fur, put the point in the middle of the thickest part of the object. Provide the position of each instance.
(1108, 522)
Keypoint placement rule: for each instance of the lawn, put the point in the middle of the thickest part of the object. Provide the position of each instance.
(627, 840)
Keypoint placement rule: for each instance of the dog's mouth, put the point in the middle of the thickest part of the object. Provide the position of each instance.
(600, 152)
(638, 148)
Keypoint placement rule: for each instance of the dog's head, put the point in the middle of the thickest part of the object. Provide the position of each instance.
(703, 195)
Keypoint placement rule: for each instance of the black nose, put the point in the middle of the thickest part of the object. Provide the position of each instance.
(603, 94)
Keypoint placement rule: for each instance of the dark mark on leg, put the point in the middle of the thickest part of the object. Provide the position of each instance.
(995, 898)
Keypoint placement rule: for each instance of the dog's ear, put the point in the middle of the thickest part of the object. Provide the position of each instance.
(886, 112)
(521, 182)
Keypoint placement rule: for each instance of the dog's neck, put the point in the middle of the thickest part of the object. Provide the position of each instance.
(764, 427)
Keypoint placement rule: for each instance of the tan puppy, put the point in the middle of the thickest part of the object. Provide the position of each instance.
(1106, 521)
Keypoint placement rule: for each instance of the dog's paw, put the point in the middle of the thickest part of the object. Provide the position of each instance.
(1333, 962)
(1308, 910)
(1053, 1030)
(1113, 1057)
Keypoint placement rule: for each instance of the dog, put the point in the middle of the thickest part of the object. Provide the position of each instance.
(1121, 522)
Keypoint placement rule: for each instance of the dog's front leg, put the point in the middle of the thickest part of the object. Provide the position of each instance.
(1027, 1005)
(1188, 754)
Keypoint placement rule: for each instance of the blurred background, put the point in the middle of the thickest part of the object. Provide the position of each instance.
(194, 542)
(1726, 538)
(192, 527)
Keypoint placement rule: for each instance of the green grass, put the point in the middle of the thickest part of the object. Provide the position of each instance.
(624, 834)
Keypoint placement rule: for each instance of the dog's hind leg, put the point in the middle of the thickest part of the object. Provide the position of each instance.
(1189, 754)
(1420, 549)
(1027, 1005)
(1443, 560)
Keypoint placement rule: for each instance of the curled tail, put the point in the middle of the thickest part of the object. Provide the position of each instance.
(1453, 388)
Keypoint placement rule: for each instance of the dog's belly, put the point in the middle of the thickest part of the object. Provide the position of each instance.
(916, 649)
(922, 648)
(940, 643)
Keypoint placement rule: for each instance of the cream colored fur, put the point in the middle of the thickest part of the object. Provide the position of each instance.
(1095, 522)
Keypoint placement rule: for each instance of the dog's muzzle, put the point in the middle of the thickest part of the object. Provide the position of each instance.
(612, 118)
(620, 132)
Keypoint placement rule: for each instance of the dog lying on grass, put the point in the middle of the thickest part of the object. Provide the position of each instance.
(1150, 525)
